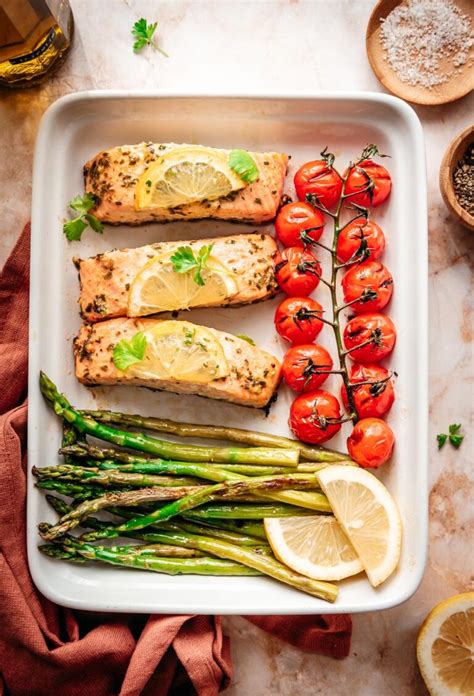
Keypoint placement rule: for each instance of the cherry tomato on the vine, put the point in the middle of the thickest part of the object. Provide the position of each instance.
(369, 182)
(297, 222)
(371, 443)
(359, 241)
(315, 417)
(320, 179)
(306, 367)
(370, 283)
(297, 319)
(370, 337)
(375, 396)
(297, 271)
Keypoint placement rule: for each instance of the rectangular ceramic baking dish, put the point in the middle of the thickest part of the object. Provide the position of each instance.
(79, 125)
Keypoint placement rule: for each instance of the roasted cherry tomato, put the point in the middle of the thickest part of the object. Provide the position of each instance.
(297, 320)
(297, 271)
(370, 283)
(369, 182)
(371, 443)
(320, 179)
(370, 337)
(315, 417)
(298, 224)
(306, 367)
(375, 396)
(359, 241)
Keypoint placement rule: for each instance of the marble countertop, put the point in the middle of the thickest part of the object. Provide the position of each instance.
(232, 45)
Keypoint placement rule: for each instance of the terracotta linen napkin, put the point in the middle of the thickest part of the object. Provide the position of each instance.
(46, 649)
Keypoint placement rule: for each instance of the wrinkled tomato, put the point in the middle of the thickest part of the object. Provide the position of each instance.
(297, 319)
(298, 224)
(315, 417)
(306, 367)
(367, 286)
(368, 184)
(369, 337)
(319, 178)
(297, 271)
(359, 241)
(375, 395)
(371, 443)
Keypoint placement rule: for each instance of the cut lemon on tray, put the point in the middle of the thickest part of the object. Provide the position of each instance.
(368, 515)
(445, 647)
(184, 175)
(179, 351)
(314, 546)
(158, 288)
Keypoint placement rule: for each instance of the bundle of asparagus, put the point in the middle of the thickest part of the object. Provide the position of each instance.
(184, 508)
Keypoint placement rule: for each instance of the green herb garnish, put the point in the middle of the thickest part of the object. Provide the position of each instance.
(189, 336)
(73, 229)
(246, 338)
(143, 33)
(127, 353)
(184, 260)
(454, 437)
(243, 165)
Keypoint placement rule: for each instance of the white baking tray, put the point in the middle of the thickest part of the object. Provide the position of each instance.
(78, 126)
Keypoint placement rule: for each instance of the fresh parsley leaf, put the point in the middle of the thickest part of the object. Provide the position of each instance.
(189, 336)
(184, 260)
(246, 338)
(73, 229)
(127, 353)
(143, 33)
(454, 437)
(441, 440)
(243, 165)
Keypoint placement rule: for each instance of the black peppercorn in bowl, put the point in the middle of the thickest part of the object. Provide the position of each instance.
(456, 177)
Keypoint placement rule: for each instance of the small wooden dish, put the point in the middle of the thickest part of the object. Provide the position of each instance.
(453, 154)
(458, 86)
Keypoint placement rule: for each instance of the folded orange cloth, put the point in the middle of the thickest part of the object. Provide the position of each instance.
(46, 649)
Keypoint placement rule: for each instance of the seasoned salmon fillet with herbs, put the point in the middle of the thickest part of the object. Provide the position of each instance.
(134, 282)
(176, 356)
(134, 184)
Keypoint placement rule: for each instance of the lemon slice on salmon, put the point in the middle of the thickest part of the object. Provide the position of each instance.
(314, 546)
(184, 175)
(178, 351)
(159, 288)
(368, 515)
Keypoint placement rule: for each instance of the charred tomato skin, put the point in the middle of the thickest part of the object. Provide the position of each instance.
(314, 416)
(297, 271)
(370, 400)
(359, 241)
(297, 222)
(302, 364)
(371, 443)
(320, 179)
(368, 174)
(297, 320)
(376, 328)
(372, 282)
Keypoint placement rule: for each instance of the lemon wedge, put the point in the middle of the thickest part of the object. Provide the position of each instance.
(186, 174)
(178, 351)
(445, 647)
(368, 515)
(158, 288)
(314, 546)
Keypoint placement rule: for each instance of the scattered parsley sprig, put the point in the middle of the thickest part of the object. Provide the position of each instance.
(127, 353)
(73, 229)
(453, 436)
(243, 165)
(184, 260)
(143, 33)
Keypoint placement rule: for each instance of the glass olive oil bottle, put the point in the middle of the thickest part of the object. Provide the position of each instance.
(35, 36)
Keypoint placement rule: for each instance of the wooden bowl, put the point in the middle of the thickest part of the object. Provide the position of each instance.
(456, 87)
(453, 154)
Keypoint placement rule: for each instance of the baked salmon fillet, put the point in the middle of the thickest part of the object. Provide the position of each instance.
(112, 177)
(252, 379)
(105, 279)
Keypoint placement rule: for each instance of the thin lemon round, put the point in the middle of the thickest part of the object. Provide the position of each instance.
(314, 546)
(186, 174)
(178, 351)
(445, 647)
(159, 288)
(368, 515)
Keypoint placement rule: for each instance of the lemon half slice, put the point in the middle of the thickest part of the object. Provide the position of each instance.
(445, 647)
(186, 174)
(368, 515)
(178, 351)
(158, 288)
(314, 546)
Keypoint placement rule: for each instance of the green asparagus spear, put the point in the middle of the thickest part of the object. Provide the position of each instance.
(252, 529)
(70, 472)
(214, 432)
(245, 511)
